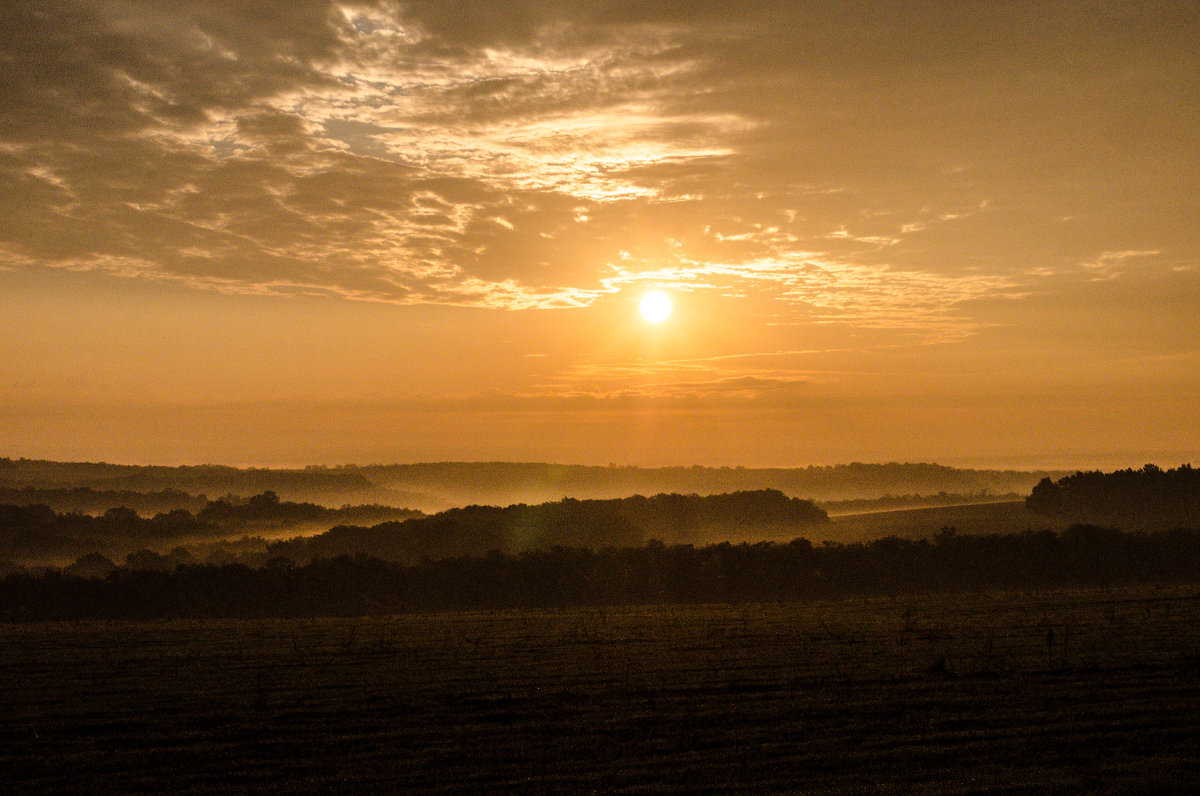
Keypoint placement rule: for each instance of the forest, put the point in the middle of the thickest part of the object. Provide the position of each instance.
(593, 524)
(435, 486)
(86, 500)
(1130, 526)
(36, 532)
(1147, 498)
(506, 482)
(1082, 556)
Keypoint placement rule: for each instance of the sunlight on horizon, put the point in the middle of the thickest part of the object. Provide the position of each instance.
(400, 229)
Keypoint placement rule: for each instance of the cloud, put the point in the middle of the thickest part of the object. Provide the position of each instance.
(892, 167)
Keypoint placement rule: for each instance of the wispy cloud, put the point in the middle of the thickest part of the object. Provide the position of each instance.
(547, 155)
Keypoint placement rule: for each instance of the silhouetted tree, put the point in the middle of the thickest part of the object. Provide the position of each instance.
(1147, 498)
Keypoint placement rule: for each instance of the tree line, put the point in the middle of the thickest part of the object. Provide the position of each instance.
(1147, 498)
(37, 532)
(459, 482)
(439, 485)
(594, 524)
(330, 487)
(649, 574)
(86, 500)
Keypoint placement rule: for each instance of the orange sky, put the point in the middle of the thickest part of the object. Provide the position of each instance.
(322, 232)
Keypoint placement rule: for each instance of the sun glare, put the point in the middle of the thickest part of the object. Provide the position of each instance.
(656, 306)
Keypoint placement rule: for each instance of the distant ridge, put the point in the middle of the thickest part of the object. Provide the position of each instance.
(434, 486)
(508, 482)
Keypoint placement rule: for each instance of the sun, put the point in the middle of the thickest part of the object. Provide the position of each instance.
(656, 306)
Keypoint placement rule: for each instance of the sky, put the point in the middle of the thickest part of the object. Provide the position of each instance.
(323, 232)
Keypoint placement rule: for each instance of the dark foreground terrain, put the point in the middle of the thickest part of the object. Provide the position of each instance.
(1070, 691)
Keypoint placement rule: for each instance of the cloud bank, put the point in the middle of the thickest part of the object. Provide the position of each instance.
(908, 166)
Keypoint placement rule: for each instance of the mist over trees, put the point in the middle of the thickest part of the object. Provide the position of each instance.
(916, 500)
(576, 523)
(437, 486)
(1147, 498)
(85, 500)
(268, 510)
(37, 533)
(325, 486)
(505, 482)
(663, 548)
(650, 574)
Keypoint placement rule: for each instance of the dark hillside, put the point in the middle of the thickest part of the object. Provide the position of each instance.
(326, 486)
(1147, 498)
(85, 500)
(36, 534)
(475, 530)
(1082, 556)
(436, 486)
(509, 482)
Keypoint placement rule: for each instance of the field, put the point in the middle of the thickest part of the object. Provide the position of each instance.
(1067, 691)
(921, 523)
